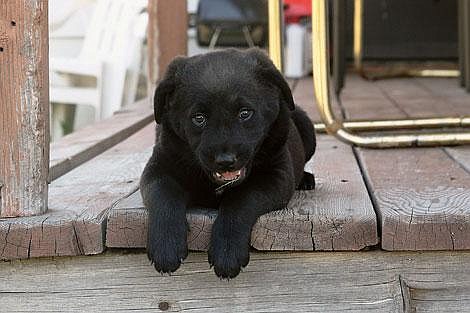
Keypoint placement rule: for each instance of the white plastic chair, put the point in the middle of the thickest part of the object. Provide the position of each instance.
(111, 51)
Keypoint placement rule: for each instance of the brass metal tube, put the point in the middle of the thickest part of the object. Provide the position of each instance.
(333, 126)
(357, 38)
(343, 129)
(275, 32)
(422, 123)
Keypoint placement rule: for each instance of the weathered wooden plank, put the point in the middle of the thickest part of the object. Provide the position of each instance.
(166, 36)
(78, 204)
(372, 281)
(460, 155)
(363, 99)
(80, 146)
(422, 198)
(304, 98)
(338, 215)
(24, 107)
(427, 97)
(422, 195)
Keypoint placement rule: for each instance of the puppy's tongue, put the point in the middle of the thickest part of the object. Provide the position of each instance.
(230, 175)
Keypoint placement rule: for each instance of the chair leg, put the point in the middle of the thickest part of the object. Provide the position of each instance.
(275, 33)
(339, 44)
(215, 37)
(247, 34)
(358, 34)
(466, 43)
(462, 46)
(336, 127)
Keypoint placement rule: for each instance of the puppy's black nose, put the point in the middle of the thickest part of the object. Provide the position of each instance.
(225, 160)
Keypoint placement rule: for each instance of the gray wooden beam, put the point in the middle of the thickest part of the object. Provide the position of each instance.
(24, 107)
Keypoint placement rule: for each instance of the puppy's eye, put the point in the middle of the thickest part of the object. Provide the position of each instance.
(245, 114)
(199, 119)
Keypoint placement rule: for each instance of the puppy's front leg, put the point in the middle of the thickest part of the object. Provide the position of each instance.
(239, 210)
(167, 225)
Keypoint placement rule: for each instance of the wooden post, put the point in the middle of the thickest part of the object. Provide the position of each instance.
(166, 38)
(24, 107)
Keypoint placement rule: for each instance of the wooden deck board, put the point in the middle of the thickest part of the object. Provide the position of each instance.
(79, 147)
(338, 215)
(304, 98)
(422, 195)
(78, 204)
(372, 281)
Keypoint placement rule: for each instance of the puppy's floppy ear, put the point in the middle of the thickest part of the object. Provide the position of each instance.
(269, 72)
(166, 87)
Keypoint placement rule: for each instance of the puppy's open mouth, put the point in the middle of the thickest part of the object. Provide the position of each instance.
(228, 177)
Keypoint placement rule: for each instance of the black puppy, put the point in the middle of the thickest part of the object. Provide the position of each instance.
(230, 139)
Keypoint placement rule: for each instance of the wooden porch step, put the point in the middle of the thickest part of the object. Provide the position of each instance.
(124, 281)
(338, 215)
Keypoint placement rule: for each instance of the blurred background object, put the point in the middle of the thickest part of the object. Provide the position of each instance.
(232, 23)
(420, 33)
(95, 61)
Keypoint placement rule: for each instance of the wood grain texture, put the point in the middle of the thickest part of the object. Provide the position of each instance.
(80, 146)
(24, 107)
(372, 281)
(304, 98)
(422, 195)
(78, 204)
(166, 36)
(338, 215)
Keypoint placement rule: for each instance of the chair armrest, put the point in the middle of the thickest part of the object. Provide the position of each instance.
(76, 66)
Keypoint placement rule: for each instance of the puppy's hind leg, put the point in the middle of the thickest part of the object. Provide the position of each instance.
(306, 130)
(307, 133)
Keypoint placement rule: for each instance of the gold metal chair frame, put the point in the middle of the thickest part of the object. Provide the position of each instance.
(343, 130)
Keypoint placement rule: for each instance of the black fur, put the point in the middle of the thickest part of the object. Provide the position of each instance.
(271, 145)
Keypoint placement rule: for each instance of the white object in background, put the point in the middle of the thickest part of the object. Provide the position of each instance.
(297, 56)
(61, 11)
(111, 49)
(192, 6)
(67, 28)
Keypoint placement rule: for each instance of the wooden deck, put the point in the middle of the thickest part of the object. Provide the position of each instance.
(413, 199)
(394, 199)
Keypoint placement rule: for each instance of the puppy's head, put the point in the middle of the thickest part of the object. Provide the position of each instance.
(223, 105)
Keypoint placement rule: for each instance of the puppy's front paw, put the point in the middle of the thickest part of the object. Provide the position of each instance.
(228, 253)
(167, 247)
